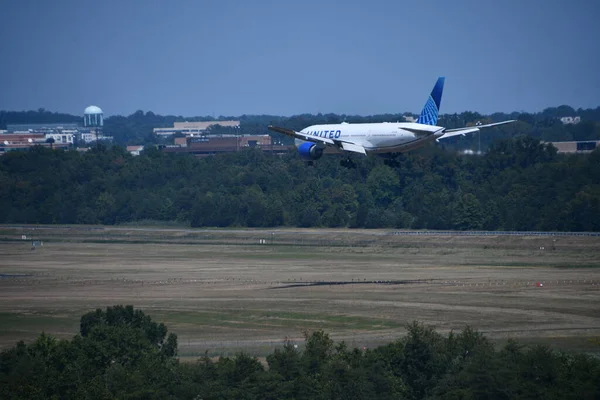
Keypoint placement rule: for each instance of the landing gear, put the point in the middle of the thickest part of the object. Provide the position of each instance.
(348, 163)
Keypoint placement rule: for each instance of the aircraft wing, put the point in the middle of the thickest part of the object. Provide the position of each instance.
(302, 136)
(355, 148)
(470, 129)
(346, 146)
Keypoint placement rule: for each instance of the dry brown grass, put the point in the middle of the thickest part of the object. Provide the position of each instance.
(221, 291)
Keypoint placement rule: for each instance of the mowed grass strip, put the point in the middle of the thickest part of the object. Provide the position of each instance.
(266, 319)
(545, 263)
(28, 326)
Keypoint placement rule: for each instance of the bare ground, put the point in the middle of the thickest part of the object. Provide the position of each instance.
(222, 291)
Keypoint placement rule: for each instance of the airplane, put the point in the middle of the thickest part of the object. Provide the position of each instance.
(385, 138)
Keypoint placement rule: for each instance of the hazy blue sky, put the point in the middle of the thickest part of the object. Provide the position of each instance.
(193, 57)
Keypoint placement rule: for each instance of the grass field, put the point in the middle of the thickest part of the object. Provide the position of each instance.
(223, 290)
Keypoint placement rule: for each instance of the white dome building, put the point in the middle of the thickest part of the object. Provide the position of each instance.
(93, 116)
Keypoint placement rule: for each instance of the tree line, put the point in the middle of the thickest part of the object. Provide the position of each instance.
(519, 184)
(120, 353)
(137, 128)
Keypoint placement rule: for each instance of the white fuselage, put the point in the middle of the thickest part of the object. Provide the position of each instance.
(385, 137)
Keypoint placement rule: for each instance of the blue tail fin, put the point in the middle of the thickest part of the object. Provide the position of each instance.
(430, 112)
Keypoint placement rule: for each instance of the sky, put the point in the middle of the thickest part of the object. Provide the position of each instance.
(222, 57)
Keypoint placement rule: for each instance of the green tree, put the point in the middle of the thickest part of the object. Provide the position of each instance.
(384, 184)
(467, 213)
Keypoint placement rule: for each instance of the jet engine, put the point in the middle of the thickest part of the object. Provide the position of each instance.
(310, 151)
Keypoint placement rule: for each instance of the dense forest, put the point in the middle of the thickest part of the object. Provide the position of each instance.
(121, 353)
(519, 184)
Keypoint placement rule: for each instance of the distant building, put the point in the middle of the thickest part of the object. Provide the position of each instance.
(181, 141)
(570, 120)
(61, 138)
(135, 150)
(206, 145)
(93, 136)
(42, 128)
(576, 147)
(470, 152)
(88, 137)
(69, 133)
(194, 128)
(63, 134)
(24, 140)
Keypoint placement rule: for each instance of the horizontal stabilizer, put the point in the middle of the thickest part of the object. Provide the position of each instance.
(460, 132)
(420, 129)
(470, 129)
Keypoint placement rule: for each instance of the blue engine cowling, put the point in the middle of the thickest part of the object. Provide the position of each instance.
(310, 151)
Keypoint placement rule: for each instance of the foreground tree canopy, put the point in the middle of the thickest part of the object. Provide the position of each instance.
(121, 353)
(519, 184)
